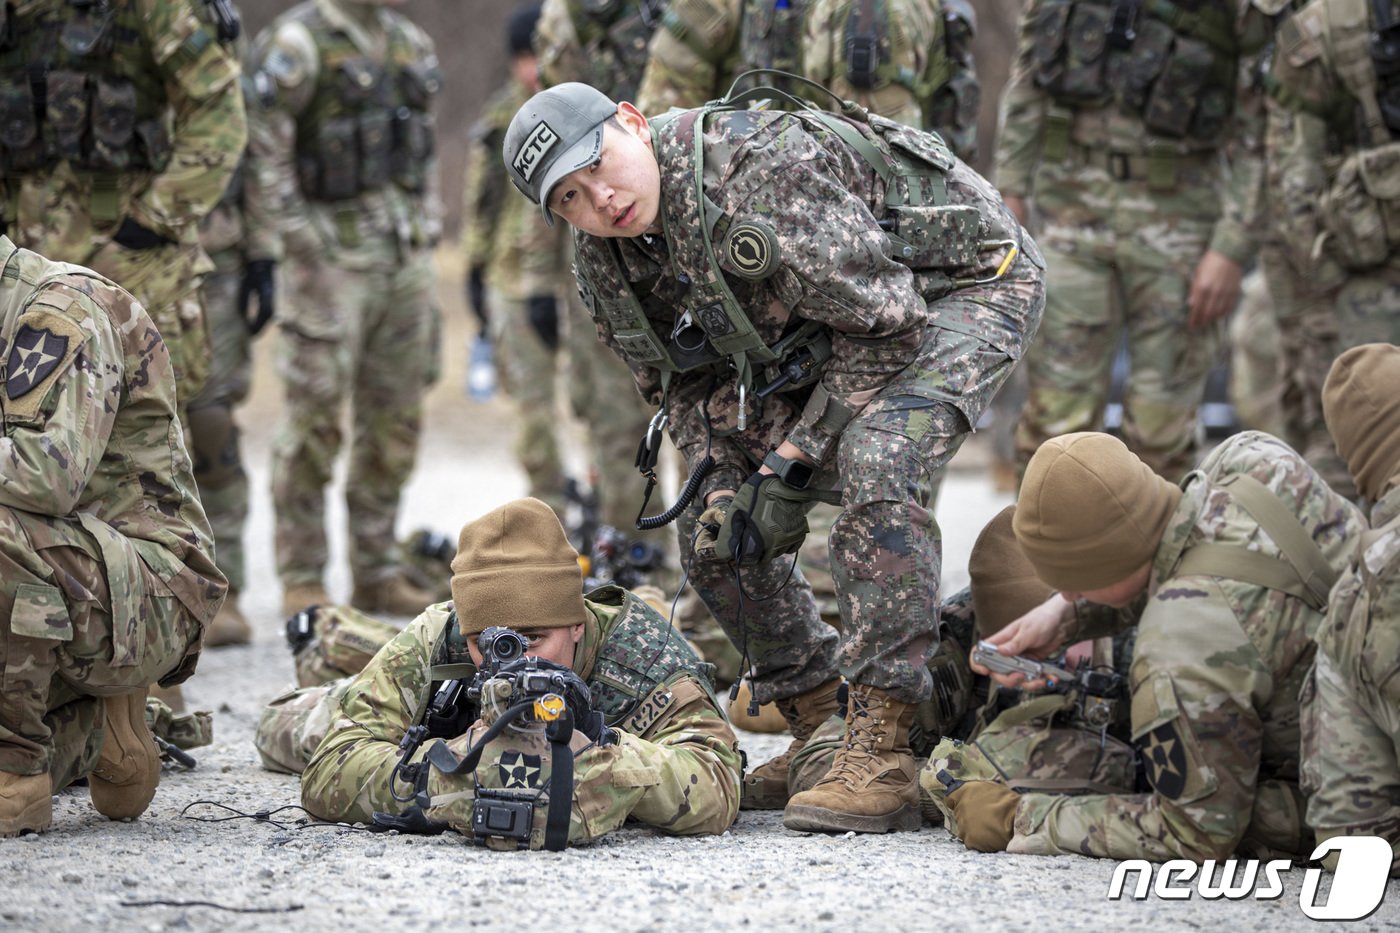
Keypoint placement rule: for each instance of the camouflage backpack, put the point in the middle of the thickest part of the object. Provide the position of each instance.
(1040, 745)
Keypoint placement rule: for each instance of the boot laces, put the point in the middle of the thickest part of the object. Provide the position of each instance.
(862, 743)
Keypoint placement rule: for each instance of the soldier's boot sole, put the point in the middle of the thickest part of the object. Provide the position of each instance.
(128, 769)
(26, 804)
(821, 820)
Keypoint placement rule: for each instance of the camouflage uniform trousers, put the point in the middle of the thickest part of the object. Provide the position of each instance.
(1308, 345)
(1120, 258)
(293, 724)
(362, 336)
(60, 649)
(218, 458)
(885, 547)
(529, 375)
(1256, 370)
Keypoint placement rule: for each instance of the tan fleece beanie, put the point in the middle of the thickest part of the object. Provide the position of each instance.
(1361, 403)
(515, 567)
(1004, 584)
(1090, 513)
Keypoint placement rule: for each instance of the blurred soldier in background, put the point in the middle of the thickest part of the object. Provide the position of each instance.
(123, 125)
(1116, 126)
(342, 182)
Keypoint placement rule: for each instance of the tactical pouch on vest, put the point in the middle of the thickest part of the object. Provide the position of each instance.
(65, 115)
(375, 135)
(332, 174)
(1361, 209)
(1132, 74)
(1085, 51)
(113, 124)
(19, 127)
(1173, 100)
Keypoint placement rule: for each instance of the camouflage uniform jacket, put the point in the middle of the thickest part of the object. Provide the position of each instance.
(791, 175)
(1324, 87)
(68, 211)
(91, 437)
(1351, 733)
(603, 45)
(1215, 680)
(704, 45)
(1109, 126)
(313, 63)
(675, 767)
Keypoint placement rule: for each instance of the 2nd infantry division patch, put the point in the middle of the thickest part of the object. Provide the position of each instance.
(44, 345)
(752, 248)
(519, 771)
(1164, 755)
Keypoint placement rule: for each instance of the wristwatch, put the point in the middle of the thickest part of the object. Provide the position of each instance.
(794, 473)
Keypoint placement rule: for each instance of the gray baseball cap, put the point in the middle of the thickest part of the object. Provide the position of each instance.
(556, 132)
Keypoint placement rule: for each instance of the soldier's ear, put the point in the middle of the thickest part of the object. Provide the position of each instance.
(634, 122)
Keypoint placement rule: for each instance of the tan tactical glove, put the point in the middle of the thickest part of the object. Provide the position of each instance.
(985, 813)
(707, 536)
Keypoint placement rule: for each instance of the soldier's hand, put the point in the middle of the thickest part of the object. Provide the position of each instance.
(132, 235)
(260, 279)
(985, 814)
(1215, 289)
(543, 314)
(708, 526)
(767, 519)
(1037, 634)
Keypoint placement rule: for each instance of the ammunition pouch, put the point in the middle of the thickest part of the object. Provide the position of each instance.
(91, 121)
(1173, 65)
(1361, 209)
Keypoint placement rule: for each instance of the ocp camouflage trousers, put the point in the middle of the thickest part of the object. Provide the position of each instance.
(1119, 260)
(363, 337)
(63, 644)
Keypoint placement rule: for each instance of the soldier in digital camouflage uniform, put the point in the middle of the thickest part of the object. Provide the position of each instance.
(1115, 125)
(107, 577)
(881, 372)
(604, 45)
(342, 183)
(1335, 164)
(125, 140)
(1351, 721)
(662, 753)
(1226, 579)
(523, 271)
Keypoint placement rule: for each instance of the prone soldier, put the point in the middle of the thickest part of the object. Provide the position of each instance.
(1226, 579)
(1351, 704)
(650, 741)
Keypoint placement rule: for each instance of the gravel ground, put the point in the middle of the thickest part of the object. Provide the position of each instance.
(89, 873)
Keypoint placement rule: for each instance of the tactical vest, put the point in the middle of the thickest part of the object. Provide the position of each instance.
(80, 84)
(615, 35)
(639, 652)
(770, 36)
(939, 239)
(1174, 65)
(368, 125)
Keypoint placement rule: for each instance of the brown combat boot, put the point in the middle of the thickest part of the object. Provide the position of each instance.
(394, 596)
(298, 596)
(872, 786)
(25, 803)
(230, 626)
(128, 769)
(766, 787)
